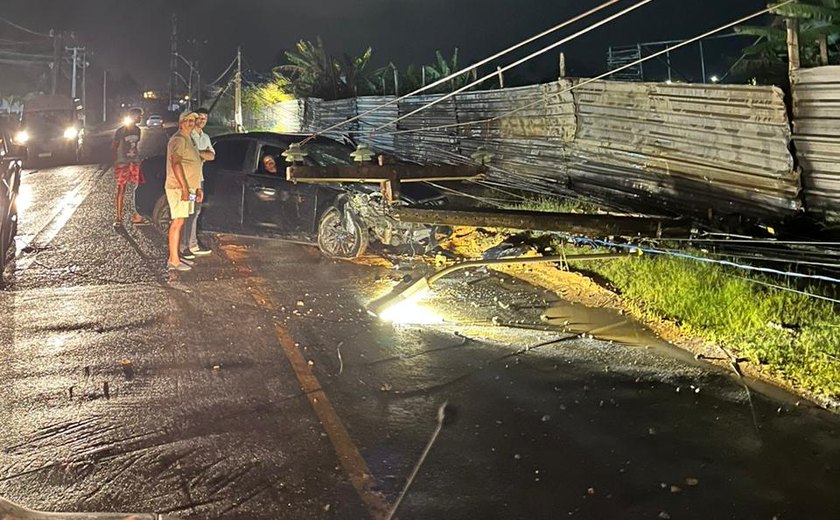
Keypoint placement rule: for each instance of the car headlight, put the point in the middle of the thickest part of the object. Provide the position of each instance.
(21, 137)
(71, 133)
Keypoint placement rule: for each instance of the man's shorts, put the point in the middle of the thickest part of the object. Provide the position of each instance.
(130, 172)
(178, 208)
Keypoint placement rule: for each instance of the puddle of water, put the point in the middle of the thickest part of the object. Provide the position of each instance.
(609, 325)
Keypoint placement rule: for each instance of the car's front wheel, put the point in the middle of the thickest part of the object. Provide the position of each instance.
(160, 214)
(341, 235)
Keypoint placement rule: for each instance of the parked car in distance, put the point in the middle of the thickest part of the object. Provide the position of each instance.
(154, 121)
(245, 194)
(11, 157)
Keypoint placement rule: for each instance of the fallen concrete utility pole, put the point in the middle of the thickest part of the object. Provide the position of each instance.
(388, 176)
(576, 223)
(423, 286)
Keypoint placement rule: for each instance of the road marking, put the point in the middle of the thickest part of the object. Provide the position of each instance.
(349, 456)
(66, 206)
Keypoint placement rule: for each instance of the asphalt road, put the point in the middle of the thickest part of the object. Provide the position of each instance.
(256, 386)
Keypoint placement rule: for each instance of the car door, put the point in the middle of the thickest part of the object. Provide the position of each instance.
(273, 205)
(224, 184)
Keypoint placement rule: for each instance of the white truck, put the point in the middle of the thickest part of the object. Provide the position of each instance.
(51, 130)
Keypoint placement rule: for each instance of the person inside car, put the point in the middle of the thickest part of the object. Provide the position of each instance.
(269, 164)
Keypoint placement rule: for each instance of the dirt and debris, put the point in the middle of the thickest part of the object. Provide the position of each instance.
(576, 287)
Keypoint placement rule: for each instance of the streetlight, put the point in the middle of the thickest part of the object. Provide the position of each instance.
(187, 84)
(193, 70)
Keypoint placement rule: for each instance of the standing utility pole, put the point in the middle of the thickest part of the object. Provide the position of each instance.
(793, 45)
(75, 63)
(84, 86)
(58, 45)
(105, 96)
(237, 96)
(822, 41)
(173, 60)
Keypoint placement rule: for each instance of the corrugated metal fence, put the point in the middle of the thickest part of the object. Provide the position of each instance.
(816, 125)
(708, 150)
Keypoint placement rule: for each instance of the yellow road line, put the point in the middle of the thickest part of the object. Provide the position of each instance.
(349, 456)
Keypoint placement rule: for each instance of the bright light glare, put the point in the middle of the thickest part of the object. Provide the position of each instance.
(408, 312)
(715, 79)
(24, 198)
(21, 137)
(127, 120)
(71, 133)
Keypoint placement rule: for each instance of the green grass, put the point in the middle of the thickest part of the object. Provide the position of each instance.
(796, 335)
(555, 205)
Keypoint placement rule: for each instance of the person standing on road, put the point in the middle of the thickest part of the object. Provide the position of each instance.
(183, 184)
(189, 236)
(126, 150)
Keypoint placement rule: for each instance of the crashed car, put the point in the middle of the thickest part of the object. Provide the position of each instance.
(243, 197)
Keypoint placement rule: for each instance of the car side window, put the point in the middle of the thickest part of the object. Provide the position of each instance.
(271, 161)
(230, 154)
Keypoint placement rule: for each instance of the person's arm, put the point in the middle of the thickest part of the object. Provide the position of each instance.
(208, 153)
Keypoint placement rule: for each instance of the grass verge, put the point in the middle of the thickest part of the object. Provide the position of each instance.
(790, 335)
(791, 338)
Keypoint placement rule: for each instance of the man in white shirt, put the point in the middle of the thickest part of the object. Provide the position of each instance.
(190, 247)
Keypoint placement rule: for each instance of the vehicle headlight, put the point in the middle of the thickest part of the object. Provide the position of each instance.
(128, 120)
(21, 137)
(71, 133)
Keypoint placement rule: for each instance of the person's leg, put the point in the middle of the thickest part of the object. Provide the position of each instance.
(120, 196)
(189, 225)
(136, 180)
(175, 240)
(192, 238)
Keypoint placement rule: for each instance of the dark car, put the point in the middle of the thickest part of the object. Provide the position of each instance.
(11, 156)
(242, 197)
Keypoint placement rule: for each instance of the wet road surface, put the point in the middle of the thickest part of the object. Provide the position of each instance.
(256, 386)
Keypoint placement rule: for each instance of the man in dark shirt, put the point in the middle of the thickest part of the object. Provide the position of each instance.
(126, 148)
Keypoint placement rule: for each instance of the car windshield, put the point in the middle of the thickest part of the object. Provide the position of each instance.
(46, 119)
(329, 154)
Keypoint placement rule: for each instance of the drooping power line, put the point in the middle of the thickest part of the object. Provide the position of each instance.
(467, 69)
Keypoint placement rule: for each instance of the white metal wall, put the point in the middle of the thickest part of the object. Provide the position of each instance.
(816, 125)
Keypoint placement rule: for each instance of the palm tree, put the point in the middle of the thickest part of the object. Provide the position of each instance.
(819, 34)
(442, 68)
(312, 72)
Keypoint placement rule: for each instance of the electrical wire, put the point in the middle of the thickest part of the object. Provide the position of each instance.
(590, 80)
(686, 256)
(467, 69)
(223, 74)
(787, 289)
(519, 62)
(24, 29)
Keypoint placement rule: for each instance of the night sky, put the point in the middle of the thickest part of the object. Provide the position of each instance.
(133, 35)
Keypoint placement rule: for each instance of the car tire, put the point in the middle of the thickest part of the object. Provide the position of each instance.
(3, 252)
(335, 241)
(161, 218)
